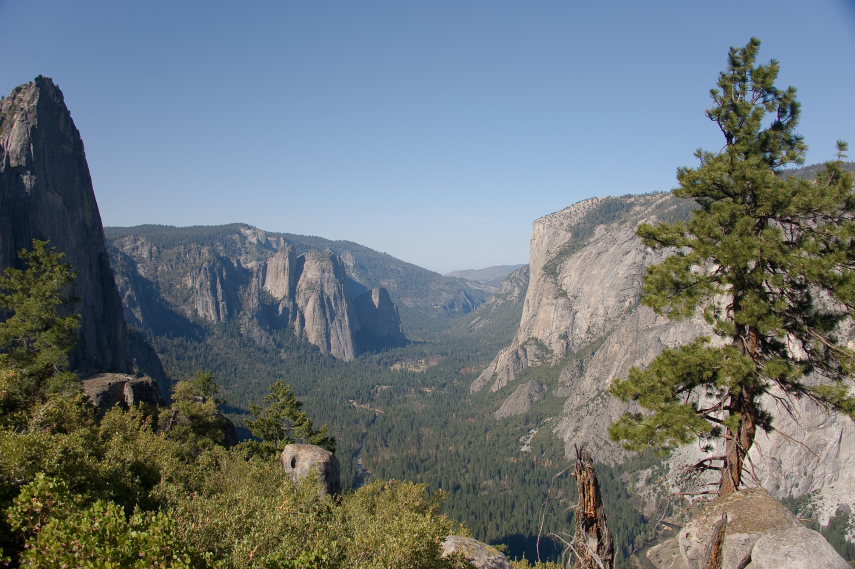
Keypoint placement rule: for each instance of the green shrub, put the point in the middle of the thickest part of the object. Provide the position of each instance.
(249, 513)
(101, 537)
(396, 524)
(39, 501)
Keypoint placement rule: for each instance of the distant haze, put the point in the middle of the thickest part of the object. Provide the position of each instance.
(492, 275)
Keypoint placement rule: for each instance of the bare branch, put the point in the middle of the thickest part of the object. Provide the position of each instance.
(543, 507)
(698, 493)
(797, 442)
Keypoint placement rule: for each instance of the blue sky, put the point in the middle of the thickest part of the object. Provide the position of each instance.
(433, 130)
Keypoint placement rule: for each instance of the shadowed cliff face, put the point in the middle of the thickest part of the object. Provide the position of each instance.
(380, 325)
(46, 193)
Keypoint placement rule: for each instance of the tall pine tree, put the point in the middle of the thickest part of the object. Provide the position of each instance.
(768, 260)
(36, 331)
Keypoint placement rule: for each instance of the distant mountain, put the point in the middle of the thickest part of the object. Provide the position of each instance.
(491, 275)
(504, 308)
(810, 171)
(409, 286)
(337, 295)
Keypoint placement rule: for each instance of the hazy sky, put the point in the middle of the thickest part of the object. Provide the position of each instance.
(433, 130)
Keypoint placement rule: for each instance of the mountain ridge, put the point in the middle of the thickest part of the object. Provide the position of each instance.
(339, 296)
(490, 275)
(420, 288)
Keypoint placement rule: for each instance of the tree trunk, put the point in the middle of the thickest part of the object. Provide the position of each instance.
(714, 558)
(743, 404)
(738, 442)
(592, 539)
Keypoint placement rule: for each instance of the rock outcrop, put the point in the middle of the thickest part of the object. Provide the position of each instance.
(107, 390)
(312, 296)
(409, 286)
(379, 321)
(521, 400)
(324, 314)
(760, 533)
(302, 461)
(46, 193)
(461, 303)
(582, 315)
(811, 452)
(213, 296)
(666, 555)
(479, 554)
(585, 282)
(505, 306)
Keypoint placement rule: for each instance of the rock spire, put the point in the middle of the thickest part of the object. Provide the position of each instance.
(46, 193)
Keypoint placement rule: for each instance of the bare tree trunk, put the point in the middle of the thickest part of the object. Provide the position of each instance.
(593, 540)
(714, 557)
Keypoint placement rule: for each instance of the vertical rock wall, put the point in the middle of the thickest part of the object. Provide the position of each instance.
(46, 193)
(378, 320)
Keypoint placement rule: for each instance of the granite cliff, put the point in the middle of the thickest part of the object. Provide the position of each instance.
(264, 282)
(584, 286)
(380, 324)
(46, 193)
(582, 319)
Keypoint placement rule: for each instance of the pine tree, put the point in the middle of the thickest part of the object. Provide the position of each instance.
(282, 421)
(768, 260)
(35, 337)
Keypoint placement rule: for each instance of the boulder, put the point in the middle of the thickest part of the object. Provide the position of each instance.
(666, 555)
(479, 554)
(302, 461)
(795, 548)
(106, 390)
(760, 533)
